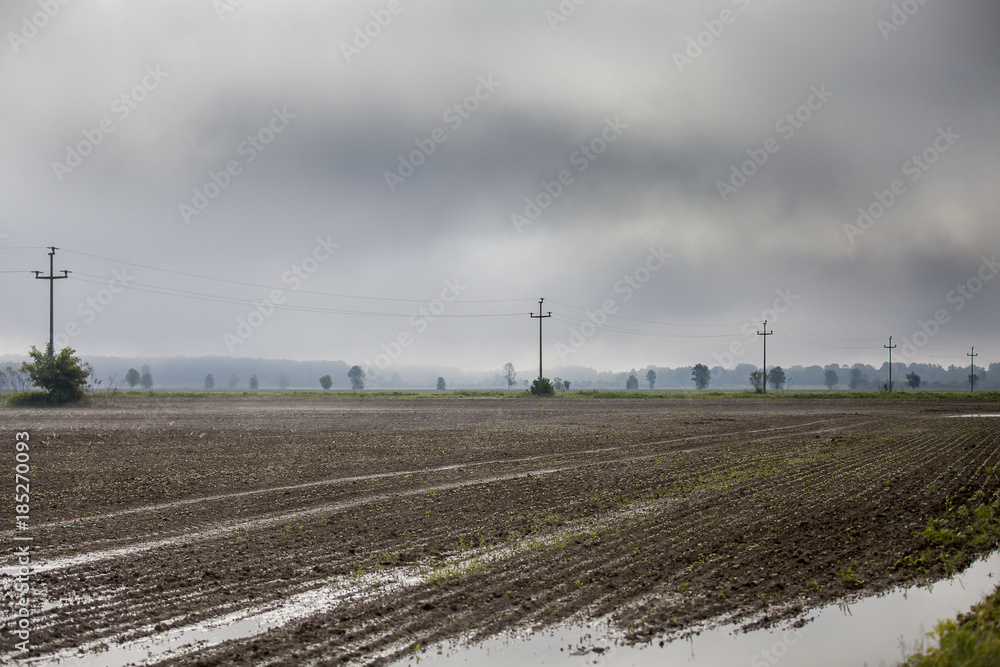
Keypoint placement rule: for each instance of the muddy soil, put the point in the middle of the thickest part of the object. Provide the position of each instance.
(491, 515)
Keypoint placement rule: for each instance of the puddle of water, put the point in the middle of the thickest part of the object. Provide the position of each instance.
(240, 624)
(873, 631)
(973, 416)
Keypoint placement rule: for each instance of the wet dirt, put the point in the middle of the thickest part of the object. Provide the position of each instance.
(163, 513)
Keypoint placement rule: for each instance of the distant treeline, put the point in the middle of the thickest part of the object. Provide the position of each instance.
(190, 372)
(932, 376)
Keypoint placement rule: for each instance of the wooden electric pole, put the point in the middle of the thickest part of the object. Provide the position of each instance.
(52, 278)
(540, 317)
(890, 347)
(972, 369)
(765, 334)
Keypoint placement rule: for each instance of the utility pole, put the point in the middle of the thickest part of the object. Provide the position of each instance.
(972, 369)
(890, 347)
(540, 317)
(765, 334)
(52, 278)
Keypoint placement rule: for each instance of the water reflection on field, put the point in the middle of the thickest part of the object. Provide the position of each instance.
(873, 631)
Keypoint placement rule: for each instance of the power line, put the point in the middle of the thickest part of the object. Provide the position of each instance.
(826, 346)
(199, 296)
(273, 287)
(609, 325)
(653, 334)
(861, 343)
(805, 333)
(632, 319)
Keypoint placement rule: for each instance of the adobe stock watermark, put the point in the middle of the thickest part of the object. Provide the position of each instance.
(365, 34)
(956, 300)
(224, 7)
(899, 17)
(773, 654)
(562, 13)
(294, 278)
(455, 116)
(418, 323)
(32, 25)
(18, 584)
(914, 169)
(626, 287)
(121, 108)
(698, 43)
(581, 158)
(786, 126)
(784, 300)
(249, 149)
(90, 308)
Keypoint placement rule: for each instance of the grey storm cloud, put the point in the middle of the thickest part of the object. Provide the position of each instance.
(752, 140)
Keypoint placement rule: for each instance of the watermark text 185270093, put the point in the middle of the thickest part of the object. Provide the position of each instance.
(20, 590)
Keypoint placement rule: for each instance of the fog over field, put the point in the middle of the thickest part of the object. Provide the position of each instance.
(396, 184)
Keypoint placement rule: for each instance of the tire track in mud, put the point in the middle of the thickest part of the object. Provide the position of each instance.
(410, 602)
(217, 532)
(505, 579)
(263, 521)
(318, 597)
(403, 473)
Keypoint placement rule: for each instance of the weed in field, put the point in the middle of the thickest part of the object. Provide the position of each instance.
(849, 579)
(468, 543)
(455, 573)
(981, 527)
(936, 533)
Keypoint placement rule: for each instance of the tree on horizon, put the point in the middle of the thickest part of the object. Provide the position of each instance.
(509, 374)
(146, 379)
(357, 377)
(701, 375)
(776, 378)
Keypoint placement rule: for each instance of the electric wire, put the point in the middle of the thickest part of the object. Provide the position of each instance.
(802, 337)
(169, 291)
(632, 319)
(273, 287)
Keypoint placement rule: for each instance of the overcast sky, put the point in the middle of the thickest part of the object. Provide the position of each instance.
(677, 169)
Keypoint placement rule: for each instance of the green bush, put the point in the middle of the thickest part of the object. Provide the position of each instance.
(63, 377)
(542, 387)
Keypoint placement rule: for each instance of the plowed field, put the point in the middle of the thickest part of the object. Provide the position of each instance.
(327, 530)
